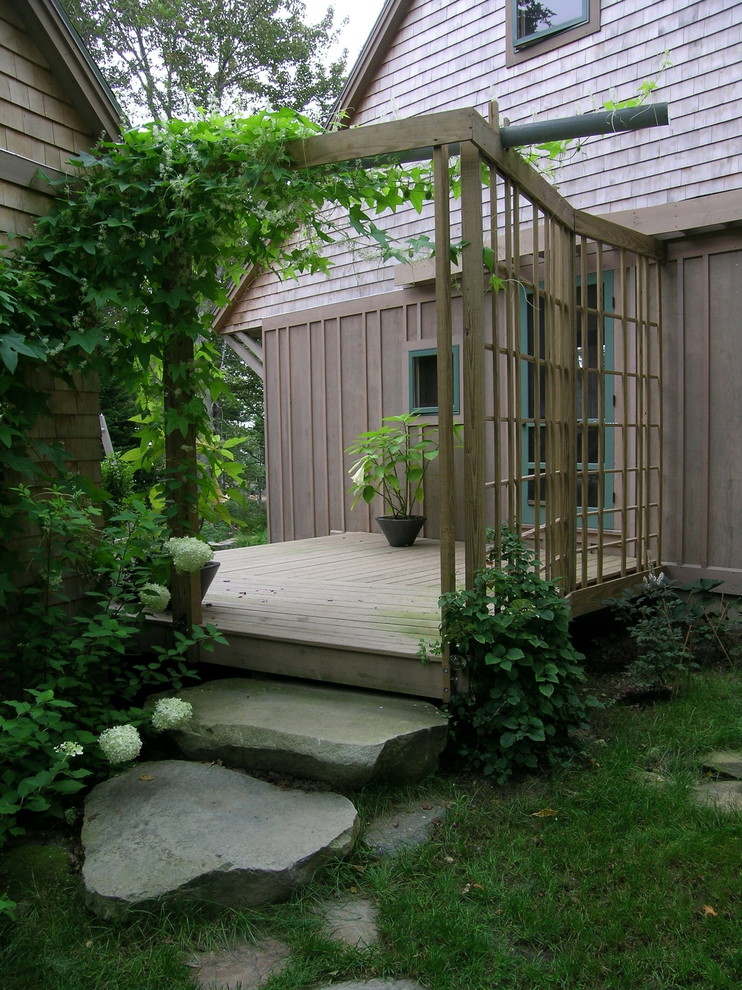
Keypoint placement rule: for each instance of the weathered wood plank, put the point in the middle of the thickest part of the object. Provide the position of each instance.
(393, 137)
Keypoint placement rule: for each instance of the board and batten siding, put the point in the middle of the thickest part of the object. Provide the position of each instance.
(38, 123)
(448, 55)
(330, 374)
(703, 410)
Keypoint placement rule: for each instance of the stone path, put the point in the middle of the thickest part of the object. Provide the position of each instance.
(723, 790)
(244, 965)
(351, 921)
(404, 828)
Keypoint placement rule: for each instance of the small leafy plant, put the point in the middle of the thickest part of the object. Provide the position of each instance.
(672, 628)
(392, 462)
(511, 632)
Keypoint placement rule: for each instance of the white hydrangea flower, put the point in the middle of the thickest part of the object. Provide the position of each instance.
(188, 553)
(171, 713)
(154, 596)
(69, 749)
(120, 744)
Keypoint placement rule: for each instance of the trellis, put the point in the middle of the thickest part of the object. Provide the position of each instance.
(561, 371)
(545, 399)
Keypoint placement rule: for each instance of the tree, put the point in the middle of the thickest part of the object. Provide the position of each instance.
(173, 58)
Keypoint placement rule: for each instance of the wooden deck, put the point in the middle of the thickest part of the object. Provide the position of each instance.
(347, 609)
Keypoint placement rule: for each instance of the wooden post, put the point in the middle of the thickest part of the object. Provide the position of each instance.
(181, 472)
(472, 291)
(445, 389)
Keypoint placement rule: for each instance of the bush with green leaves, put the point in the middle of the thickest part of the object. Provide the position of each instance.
(39, 742)
(511, 633)
(674, 627)
(68, 670)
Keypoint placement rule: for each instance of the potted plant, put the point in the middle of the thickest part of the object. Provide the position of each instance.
(392, 462)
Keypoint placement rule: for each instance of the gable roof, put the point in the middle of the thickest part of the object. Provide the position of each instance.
(370, 58)
(53, 34)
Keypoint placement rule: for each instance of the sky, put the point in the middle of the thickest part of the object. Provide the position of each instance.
(361, 16)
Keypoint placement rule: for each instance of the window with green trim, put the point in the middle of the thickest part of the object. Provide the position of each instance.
(423, 379)
(535, 27)
(537, 19)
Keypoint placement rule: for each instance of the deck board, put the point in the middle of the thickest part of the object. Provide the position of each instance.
(345, 608)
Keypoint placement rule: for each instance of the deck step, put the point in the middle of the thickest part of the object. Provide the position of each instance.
(342, 737)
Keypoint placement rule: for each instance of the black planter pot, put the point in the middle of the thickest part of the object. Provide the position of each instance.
(208, 573)
(400, 531)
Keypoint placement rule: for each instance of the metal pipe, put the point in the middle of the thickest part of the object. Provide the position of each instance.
(518, 135)
(584, 125)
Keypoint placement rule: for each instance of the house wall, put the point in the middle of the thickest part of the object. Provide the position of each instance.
(448, 55)
(683, 182)
(703, 410)
(39, 126)
(44, 121)
(356, 362)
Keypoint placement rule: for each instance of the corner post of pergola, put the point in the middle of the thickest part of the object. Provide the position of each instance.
(472, 292)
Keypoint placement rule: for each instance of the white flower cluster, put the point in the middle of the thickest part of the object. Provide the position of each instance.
(188, 553)
(171, 713)
(120, 744)
(68, 749)
(154, 597)
(654, 580)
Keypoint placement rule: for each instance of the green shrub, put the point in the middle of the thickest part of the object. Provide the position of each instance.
(674, 628)
(511, 633)
(118, 480)
(69, 671)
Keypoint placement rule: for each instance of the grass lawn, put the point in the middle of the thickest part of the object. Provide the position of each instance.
(627, 885)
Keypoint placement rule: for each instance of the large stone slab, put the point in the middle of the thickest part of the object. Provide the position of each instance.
(724, 795)
(173, 829)
(727, 762)
(343, 737)
(243, 967)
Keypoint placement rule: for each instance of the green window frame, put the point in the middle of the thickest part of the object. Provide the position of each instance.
(537, 19)
(422, 376)
(534, 27)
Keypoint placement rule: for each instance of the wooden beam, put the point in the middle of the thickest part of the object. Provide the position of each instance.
(389, 138)
(535, 186)
(602, 229)
(234, 341)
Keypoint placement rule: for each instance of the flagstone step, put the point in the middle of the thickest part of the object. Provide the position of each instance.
(192, 831)
(340, 736)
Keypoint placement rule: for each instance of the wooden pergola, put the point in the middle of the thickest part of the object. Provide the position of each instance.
(561, 358)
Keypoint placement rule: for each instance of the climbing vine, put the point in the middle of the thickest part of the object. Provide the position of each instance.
(141, 248)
